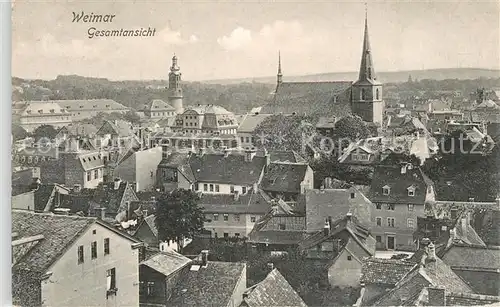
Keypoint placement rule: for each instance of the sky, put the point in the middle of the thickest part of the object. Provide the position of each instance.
(239, 39)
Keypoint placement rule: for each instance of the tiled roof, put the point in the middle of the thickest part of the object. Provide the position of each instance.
(288, 237)
(384, 271)
(350, 224)
(250, 122)
(284, 177)
(107, 196)
(90, 105)
(213, 285)
(434, 273)
(313, 98)
(285, 156)
(119, 128)
(44, 108)
(150, 220)
(274, 290)
(166, 263)
(42, 196)
(399, 183)
(91, 160)
(232, 169)
(336, 203)
(81, 129)
(156, 105)
(473, 257)
(58, 231)
(470, 299)
(247, 203)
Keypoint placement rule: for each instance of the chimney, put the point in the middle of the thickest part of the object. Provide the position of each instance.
(117, 183)
(77, 188)
(326, 229)
(255, 188)
(436, 296)
(431, 252)
(100, 213)
(270, 266)
(249, 154)
(403, 168)
(204, 258)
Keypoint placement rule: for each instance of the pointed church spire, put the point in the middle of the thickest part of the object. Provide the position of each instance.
(366, 70)
(280, 75)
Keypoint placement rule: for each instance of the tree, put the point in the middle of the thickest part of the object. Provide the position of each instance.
(284, 132)
(18, 133)
(178, 216)
(132, 117)
(351, 128)
(44, 131)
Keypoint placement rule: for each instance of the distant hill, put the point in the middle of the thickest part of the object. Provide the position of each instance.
(386, 77)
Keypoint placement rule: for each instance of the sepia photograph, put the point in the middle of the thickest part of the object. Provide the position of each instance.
(254, 153)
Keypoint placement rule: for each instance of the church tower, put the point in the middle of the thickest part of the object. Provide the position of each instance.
(174, 87)
(279, 77)
(366, 93)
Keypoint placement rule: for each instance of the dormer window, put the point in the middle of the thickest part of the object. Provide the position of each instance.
(52, 111)
(386, 190)
(411, 191)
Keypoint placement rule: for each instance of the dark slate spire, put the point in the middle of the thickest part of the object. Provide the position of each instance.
(366, 71)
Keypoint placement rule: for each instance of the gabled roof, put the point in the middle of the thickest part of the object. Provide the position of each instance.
(285, 156)
(80, 129)
(250, 122)
(350, 224)
(58, 232)
(158, 105)
(271, 236)
(107, 196)
(384, 271)
(166, 263)
(284, 177)
(472, 257)
(119, 128)
(311, 98)
(392, 176)
(212, 285)
(150, 222)
(233, 169)
(274, 290)
(90, 105)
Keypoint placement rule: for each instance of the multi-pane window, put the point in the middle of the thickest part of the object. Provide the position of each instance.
(226, 217)
(111, 279)
(411, 207)
(211, 188)
(391, 207)
(237, 217)
(353, 195)
(96, 174)
(243, 190)
(89, 176)
(379, 206)
(205, 187)
(217, 188)
(390, 222)
(379, 221)
(94, 250)
(106, 246)
(80, 254)
(216, 217)
(411, 223)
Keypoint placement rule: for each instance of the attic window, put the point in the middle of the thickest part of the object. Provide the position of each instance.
(81, 107)
(40, 111)
(352, 195)
(52, 110)
(386, 190)
(84, 160)
(95, 158)
(411, 191)
(349, 257)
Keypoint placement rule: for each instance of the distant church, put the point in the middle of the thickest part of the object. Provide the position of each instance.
(333, 98)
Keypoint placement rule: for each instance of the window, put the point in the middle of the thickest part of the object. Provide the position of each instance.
(377, 94)
(216, 217)
(217, 188)
(211, 188)
(349, 257)
(243, 190)
(353, 195)
(205, 187)
(242, 139)
(379, 221)
(391, 207)
(410, 223)
(386, 190)
(226, 235)
(237, 217)
(80, 254)
(111, 280)
(89, 176)
(150, 288)
(247, 139)
(94, 250)
(379, 206)
(252, 219)
(411, 207)
(106, 246)
(232, 189)
(282, 226)
(390, 222)
(363, 94)
(237, 234)
(379, 239)
(96, 174)
(226, 217)
(411, 192)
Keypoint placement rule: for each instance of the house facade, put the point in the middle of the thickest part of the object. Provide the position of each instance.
(90, 262)
(399, 194)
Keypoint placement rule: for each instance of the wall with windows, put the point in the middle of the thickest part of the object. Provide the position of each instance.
(398, 221)
(230, 224)
(218, 188)
(77, 283)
